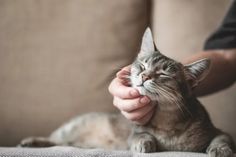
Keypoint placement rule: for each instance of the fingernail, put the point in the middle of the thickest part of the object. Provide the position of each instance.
(144, 100)
(134, 93)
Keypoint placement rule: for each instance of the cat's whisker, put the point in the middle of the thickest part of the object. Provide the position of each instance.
(168, 95)
(164, 92)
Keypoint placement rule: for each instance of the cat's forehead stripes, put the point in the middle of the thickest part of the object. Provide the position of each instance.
(155, 61)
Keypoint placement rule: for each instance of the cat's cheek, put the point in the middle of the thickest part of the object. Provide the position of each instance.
(135, 81)
(135, 70)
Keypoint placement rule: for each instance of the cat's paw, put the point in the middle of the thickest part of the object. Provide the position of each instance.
(28, 142)
(36, 142)
(220, 150)
(144, 146)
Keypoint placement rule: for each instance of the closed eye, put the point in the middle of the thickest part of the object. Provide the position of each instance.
(141, 66)
(163, 74)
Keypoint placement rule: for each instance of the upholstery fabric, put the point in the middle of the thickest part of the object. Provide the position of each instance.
(57, 58)
(76, 152)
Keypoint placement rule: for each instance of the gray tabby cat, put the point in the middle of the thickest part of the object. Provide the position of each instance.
(180, 122)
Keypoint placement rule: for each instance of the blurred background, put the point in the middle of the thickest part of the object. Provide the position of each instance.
(58, 57)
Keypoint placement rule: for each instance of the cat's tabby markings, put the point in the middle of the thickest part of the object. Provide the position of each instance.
(180, 122)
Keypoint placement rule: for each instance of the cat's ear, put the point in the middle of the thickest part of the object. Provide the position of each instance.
(147, 45)
(197, 71)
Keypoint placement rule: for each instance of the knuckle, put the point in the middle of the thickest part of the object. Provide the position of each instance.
(121, 105)
(116, 103)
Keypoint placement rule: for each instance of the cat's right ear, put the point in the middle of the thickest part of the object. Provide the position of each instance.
(197, 71)
(147, 45)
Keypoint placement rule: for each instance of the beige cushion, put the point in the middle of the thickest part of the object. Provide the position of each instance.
(57, 58)
(181, 27)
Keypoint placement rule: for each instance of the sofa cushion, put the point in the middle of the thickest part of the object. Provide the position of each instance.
(71, 152)
(57, 58)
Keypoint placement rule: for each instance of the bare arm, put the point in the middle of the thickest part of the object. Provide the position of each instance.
(222, 73)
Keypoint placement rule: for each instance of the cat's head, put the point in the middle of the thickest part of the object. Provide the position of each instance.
(162, 78)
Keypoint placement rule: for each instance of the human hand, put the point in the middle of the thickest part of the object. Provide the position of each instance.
(128, 100)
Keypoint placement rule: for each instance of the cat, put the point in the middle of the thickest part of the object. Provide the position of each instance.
(180, 122)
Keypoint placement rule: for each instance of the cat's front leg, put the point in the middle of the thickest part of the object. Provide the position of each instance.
(221, 146)
(143, 143)
(36, 142)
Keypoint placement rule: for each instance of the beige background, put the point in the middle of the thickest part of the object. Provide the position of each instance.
(57, 58)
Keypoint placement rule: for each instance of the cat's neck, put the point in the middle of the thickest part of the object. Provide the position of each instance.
(170, 116)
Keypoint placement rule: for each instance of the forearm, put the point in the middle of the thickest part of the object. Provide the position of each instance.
(222, 73)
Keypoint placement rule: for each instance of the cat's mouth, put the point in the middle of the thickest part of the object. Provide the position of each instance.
(145, 90)
(141, 85)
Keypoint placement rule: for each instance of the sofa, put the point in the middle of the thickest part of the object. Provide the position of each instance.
(58, 57)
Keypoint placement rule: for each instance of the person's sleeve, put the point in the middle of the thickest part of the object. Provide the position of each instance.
(225, 36)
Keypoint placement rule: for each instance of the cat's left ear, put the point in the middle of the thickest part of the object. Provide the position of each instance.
(197, 71)
(147, 42)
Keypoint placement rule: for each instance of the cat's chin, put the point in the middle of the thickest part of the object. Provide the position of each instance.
(143, 91)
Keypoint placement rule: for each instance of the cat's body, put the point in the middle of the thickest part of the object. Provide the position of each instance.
(99, 130)
(180, 122)
(91, 130)
(178, 133)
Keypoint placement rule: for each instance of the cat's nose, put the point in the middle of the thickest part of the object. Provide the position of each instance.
(145, 77)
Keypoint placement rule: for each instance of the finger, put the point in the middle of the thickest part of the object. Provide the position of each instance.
(118, 89)
(124, 77)
(129, 105)
(126, 68)
(139, 113)
(126, 82)
(124, 72)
